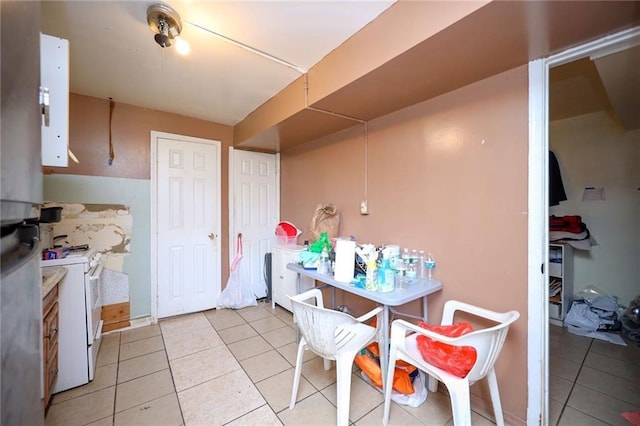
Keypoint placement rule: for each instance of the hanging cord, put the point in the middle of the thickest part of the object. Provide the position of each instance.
(249, 48)
(366, 159)
(112, 153)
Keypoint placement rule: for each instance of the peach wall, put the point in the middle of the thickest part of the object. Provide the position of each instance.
(448, 176)
(131, 135)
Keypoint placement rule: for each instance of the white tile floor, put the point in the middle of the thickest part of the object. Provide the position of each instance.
(236, 367)
(591, 382)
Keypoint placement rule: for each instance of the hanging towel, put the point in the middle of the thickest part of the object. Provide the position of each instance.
(556, 188)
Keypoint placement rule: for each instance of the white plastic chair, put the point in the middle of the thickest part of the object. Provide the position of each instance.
(333, 335)
(487, 343)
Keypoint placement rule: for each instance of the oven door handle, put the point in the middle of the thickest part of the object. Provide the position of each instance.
(96, 274)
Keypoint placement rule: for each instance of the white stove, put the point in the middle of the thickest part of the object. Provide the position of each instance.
(80, 324)
(89, 256)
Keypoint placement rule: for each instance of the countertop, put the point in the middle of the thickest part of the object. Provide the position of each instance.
(50, 277)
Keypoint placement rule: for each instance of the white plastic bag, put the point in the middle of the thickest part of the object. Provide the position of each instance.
(418, 396)
(416, 399)
(237, 294)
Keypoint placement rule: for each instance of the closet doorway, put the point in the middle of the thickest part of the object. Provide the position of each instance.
(572, 97)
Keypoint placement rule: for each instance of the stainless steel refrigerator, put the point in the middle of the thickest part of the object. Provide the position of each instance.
(21, 182)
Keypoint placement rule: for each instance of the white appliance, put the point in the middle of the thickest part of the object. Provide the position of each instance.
(80, 326)
(283, 280)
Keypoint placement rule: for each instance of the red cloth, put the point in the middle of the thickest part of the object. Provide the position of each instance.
(571, 224)
(633, 417)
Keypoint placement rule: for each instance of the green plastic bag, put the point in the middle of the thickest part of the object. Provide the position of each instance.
(322, 242)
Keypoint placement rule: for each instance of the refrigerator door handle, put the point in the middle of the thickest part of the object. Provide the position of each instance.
(44, 104)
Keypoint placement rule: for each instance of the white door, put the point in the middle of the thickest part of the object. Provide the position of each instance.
(254, 210)
(188, 224)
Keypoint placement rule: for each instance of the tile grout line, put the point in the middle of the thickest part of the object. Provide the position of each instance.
(247, 374)
(254, 383)
(115, 391)
(573, 385)
(175, 389)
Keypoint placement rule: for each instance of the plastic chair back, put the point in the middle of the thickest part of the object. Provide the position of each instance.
(487, 342)
(321, 328)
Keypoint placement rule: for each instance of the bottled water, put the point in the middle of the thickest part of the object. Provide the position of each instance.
(411, 269)
(422, 271)
(430, 267)
(385, 276)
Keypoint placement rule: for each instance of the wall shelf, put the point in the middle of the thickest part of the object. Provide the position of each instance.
(560, 282)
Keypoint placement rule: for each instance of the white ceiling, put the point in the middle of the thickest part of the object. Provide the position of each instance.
(113, 53)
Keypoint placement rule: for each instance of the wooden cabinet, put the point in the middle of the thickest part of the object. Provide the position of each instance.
(283, 280)
(50, 341)
(560, 281)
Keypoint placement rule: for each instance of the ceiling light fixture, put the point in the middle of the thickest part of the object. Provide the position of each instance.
(166, 23)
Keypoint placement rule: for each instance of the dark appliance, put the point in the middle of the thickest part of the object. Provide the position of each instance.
(267, 275)
(20, 199)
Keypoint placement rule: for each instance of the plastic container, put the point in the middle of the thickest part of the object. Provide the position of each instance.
(385, 276)
(430, 267)
(284, 240)
(411, 269)
(324, 265)
(371, 282)
(400, 280)
(287, 233)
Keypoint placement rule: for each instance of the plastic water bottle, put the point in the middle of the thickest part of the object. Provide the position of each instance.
(422, 271)
(430, 267)
(411, 270)
(385, 276)
(323, 265)
(405, 256)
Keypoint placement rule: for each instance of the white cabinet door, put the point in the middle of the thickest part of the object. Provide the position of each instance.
(283, 280)
(54, 81)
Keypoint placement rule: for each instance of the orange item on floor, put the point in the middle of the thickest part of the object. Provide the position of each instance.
(368, 362)
(633, 417)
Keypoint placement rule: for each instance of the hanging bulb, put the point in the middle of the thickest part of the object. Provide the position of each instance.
(182, 46)
(162, 37)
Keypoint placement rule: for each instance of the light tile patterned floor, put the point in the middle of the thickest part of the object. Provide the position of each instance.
(591, 382)
(236, 367)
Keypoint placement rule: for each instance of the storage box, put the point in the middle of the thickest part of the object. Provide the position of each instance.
(555, 269)
(55, 253)
(286, 240)
(555, 311)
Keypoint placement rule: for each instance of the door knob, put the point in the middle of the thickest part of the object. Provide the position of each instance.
(212, 235)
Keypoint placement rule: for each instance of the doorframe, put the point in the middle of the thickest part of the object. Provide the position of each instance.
(538, 224)
(153, 210)
(232, 222)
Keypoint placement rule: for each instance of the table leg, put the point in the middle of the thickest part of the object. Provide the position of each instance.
(294, 316)
(384, 345)
(425, 312)
(333, 297)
